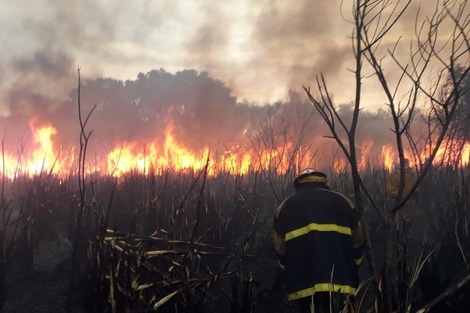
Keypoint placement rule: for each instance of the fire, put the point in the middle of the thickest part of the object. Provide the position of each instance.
(453, 152)
(127, 157)
(130, 156)
(339, 165)
(365, 153)
(157, 157)
(42, 158)
(388, 157)
(235, 163)
(466, 155)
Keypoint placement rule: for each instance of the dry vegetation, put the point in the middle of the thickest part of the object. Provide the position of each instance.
(190, 243)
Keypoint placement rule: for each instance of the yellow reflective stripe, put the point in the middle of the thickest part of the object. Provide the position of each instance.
(325, 287)
(317, 227)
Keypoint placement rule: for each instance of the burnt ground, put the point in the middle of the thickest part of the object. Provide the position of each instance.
(44, 290)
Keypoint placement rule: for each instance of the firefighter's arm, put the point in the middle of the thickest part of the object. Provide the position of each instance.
(358, 244)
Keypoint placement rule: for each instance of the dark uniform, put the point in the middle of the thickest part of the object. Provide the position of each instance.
(318, 241)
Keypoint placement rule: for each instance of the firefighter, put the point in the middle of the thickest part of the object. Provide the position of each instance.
(392, 186)
(318, 241)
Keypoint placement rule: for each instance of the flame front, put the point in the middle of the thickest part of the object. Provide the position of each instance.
(388, 157)
(152, 157)
(130, 156)
(42, 157)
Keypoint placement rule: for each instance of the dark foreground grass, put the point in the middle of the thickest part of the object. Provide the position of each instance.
(190, 243)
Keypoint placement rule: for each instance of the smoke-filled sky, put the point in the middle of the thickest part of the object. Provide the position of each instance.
(260, 49)
(197, 66)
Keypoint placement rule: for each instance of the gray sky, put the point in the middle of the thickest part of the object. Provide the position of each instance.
(259, 48)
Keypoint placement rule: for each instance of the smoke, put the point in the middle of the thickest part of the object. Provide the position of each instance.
(214, 58)
(260, 49)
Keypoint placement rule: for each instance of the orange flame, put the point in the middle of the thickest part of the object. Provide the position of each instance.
(388, 157)
(42, 157)
(339, 165)
(175, 156)
(152, 157)
(365, 153)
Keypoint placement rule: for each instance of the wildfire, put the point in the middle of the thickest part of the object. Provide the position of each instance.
(339, 165)
(451, 152)
(388, 157)
(365, 153)
(155, 157)
(41, 158)
(144, 158)
(150, 157)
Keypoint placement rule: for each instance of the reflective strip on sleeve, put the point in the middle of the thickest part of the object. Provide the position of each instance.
(317, 227)
(324, 287)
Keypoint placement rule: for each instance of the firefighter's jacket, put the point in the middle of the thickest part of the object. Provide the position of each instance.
(318, 241)
(392, 186)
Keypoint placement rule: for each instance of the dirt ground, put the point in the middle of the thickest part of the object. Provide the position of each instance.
(45, 290)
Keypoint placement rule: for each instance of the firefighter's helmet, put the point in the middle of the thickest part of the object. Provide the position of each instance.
(309, 175)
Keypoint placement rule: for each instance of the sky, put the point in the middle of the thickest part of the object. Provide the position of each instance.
(260, 49)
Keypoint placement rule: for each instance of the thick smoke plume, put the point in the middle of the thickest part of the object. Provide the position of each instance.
(240, 54)
(261, 50)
